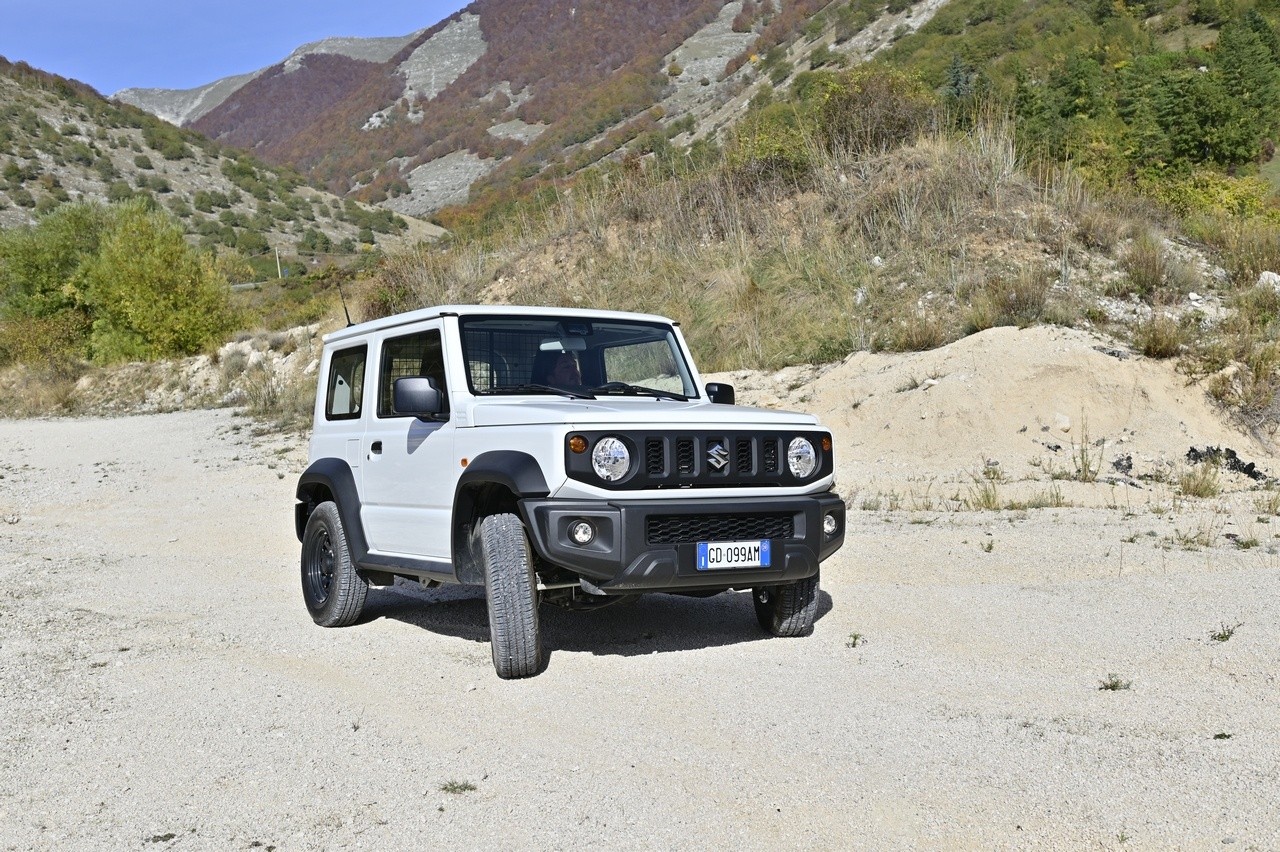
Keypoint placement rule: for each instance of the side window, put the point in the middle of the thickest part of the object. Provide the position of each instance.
(417, 354)
(346, 384)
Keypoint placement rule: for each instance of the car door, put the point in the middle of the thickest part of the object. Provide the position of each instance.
(409, 473)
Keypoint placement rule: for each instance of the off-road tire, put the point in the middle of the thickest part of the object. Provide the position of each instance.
(511, 589)
(331, 587)
(787, 610)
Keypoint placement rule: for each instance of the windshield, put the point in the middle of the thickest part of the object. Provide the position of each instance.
(573, 357)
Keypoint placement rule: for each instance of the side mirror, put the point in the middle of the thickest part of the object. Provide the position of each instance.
(417, 395)
(721, 393)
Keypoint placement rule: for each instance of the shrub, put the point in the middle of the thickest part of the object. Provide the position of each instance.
(1159, 337)
(1018, 300)
(873, 109)
(771, 142)
(915, 334)
(1145, 267)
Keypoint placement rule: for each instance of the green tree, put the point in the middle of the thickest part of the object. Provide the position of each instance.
(1251, 80)
(42, 267)
(149, 293)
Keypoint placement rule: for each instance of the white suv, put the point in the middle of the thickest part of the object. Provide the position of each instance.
(559, 456)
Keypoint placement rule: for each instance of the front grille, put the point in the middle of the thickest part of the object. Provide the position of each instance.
(686, 529)
(698, 459)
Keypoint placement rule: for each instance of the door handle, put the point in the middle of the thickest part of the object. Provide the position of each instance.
(376, 448)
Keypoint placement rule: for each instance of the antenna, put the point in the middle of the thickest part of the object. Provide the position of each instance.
(344, 304)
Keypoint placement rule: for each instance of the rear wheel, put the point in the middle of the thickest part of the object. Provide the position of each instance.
(511, 589)
(333, 590)
(787, 610)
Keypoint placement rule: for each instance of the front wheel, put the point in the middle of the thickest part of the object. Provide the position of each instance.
(511, 590)
(332, 588)
(787, 610)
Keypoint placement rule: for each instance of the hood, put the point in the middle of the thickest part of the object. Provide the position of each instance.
(625, 413)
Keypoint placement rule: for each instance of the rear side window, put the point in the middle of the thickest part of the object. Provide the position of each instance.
(418, 354)
(346, 384)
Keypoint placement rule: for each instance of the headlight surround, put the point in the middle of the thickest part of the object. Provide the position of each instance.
(611, 459)
(802, 460)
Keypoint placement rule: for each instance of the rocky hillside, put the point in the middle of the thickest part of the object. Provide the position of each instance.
(60, 142)
(501, 92)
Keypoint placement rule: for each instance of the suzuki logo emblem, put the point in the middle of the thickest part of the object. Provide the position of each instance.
(718, 455)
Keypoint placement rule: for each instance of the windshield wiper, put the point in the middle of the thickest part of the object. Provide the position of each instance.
(638, 390)
(528, 388)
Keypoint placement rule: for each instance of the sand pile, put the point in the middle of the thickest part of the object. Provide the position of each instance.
(1023, 400)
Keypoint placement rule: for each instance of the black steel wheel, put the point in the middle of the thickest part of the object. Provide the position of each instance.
(331, 587)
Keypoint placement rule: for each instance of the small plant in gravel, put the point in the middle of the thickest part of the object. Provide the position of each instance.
(1200, 481)
(1268, 502)
(457, 788)
(1113, 683)
(1222, 735)
(984, 495)
(988, 545)
(1225, 632)
(1086, 458)
(854, 640)
(1203, 534)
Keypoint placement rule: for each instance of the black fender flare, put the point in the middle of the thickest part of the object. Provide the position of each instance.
(334, 476)
(516, 472)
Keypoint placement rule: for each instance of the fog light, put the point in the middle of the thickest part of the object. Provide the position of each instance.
(830, 525)
(581, 532)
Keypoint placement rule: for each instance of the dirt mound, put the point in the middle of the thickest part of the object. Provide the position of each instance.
(1033, 403)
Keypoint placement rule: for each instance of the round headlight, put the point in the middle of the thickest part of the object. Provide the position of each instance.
(801, 458)
(610, 459)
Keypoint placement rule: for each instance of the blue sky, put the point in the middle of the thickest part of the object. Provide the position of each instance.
(118, 44)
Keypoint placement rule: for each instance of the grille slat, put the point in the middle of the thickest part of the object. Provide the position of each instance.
(744, 463)
(686, 529)
(770, 455)
(655, 457)
(684, 456)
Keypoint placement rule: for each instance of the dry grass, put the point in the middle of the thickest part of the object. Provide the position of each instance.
(872, 251)
(1010, 300)
(33, 391)
(1160, 337)
(1203, 480)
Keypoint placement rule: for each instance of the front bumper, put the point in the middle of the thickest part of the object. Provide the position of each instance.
(651, 545)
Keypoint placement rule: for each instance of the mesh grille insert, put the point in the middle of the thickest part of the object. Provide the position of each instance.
(655, 457)
(684, 456)
(770, 456)
(685, 529)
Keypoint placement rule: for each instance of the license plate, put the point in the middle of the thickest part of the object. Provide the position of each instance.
(733, 554)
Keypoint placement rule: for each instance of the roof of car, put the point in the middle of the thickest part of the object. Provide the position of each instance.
(412, 317)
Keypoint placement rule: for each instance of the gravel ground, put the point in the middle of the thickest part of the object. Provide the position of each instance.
(162, 686)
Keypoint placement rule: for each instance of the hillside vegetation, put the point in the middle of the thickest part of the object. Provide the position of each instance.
(60, 143)
(866, 210)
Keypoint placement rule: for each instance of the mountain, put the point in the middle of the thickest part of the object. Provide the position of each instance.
(503, 91)
(184, 106)
(61, 142)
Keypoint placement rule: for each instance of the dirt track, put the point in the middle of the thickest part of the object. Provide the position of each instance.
(162, 686)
